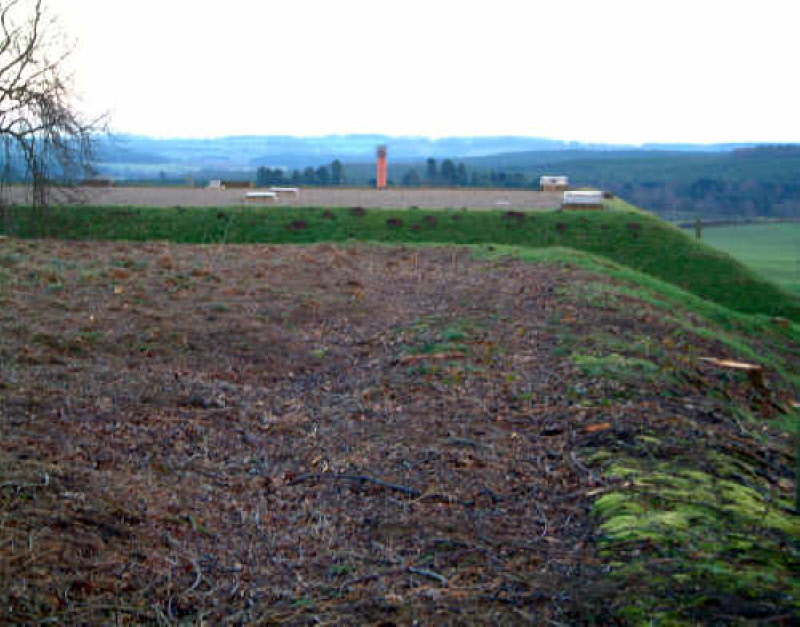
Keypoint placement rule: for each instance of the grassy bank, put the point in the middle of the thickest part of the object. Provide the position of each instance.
(709, 523)
(625, 235)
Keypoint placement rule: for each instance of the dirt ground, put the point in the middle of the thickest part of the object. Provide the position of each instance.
(319, 197)
(254, 434)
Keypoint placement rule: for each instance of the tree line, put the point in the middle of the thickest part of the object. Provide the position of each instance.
(451, 174)
(322, 176)
(444, 173)
(714, 197)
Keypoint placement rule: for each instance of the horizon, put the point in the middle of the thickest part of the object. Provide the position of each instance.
(586, 72)
(417, 136)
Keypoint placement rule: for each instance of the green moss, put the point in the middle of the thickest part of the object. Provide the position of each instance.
(617, 504)
(619, 471)
(599, 456)
(715, 538)
(682, 489)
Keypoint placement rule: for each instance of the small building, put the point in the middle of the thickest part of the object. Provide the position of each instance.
(583, 201)
(553, 183)
(214, 184)
(291, 191)
(260, 197)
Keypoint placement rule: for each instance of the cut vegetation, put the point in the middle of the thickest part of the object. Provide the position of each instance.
(378, 434)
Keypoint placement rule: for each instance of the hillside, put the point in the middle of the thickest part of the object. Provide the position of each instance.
(676, 184)
(273, 150)
(754, 182)
(384, 434)
(135, 156)
(289, 151)
(625, 235)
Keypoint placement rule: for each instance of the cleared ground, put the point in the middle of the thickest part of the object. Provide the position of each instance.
(366, 435)
(395, 198)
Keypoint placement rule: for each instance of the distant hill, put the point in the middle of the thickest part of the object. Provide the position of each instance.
(122, 154)
(297, 152)
(755, 181)
(750, 181)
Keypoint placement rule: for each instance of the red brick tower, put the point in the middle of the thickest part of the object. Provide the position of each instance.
(381, 175)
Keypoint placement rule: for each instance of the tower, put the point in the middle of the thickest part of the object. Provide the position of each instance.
(380, 179)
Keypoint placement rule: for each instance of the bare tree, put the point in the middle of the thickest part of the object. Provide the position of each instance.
(42, 134)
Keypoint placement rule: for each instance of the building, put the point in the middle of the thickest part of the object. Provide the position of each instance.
(553, 183)
(583, 201)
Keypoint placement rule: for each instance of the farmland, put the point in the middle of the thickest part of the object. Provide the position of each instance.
(249, 415)
(319, 197)
(773, 250)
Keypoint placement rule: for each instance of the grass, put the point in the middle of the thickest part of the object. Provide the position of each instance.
(707, 522)
(625, 235)
(663, 293)
(772, 250)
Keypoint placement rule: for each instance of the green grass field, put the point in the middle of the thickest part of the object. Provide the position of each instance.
(772, 250)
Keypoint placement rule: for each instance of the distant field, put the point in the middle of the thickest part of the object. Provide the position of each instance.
(770, 249)
(319, 197)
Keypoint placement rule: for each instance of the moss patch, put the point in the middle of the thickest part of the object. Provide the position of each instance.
(705, 540)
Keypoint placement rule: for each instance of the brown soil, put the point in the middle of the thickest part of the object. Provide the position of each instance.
(296, 435)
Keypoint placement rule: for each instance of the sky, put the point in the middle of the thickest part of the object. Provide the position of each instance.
(616, 71)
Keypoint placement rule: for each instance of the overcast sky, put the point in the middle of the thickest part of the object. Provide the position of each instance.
(607, 71)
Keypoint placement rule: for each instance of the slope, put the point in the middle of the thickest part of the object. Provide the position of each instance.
(371, 434)
(624, 234)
